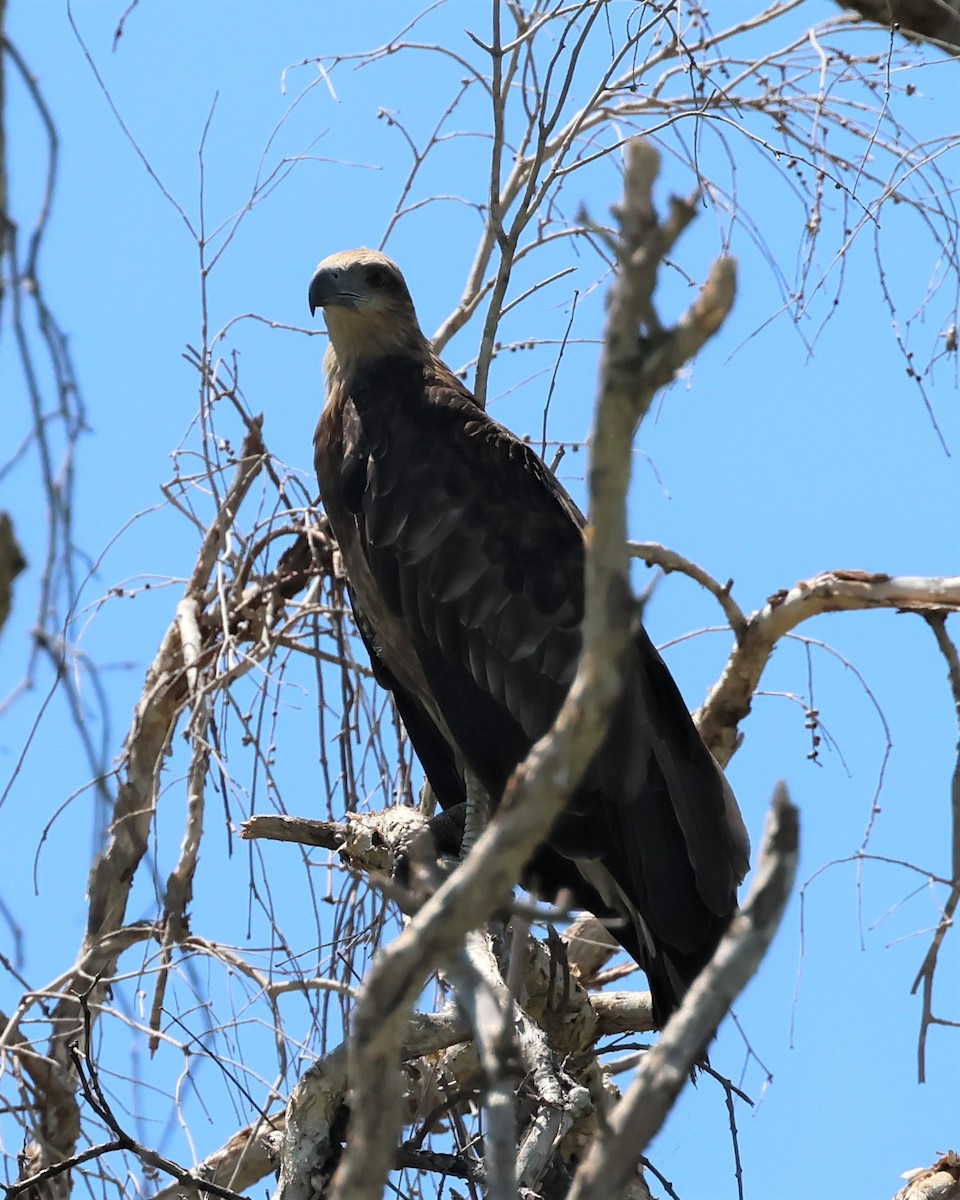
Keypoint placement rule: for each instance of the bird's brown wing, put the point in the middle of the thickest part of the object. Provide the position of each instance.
(476, 551)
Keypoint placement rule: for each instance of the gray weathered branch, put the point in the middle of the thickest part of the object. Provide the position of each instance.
(112, 875)
(832, 591)
(925, 976)
(939, 1182)
(664, 1069)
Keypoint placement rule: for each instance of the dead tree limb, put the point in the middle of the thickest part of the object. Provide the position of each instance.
(111, 878)
(729, 700)
(664, 1070)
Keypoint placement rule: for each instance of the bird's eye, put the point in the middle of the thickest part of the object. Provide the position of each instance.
(376, 277)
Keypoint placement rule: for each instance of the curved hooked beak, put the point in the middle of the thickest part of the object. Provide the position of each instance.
(329, 286)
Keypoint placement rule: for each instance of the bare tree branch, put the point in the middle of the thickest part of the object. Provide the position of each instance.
(113, 873)
(249, 1156)
(939, 1182)
(729, 700)
(558, 104)
(308, 1146)
(664, 1069)
(668, 560)
(924, 980)
(483, 997)
(303, 830)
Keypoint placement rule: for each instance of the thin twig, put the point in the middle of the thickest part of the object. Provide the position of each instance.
(925, 976)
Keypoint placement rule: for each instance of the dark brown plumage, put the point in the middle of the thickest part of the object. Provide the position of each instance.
(465, 560)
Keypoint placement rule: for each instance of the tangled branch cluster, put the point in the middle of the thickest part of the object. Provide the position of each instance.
(260, 632)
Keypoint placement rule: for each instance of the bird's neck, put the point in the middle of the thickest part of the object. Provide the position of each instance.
(357, 346)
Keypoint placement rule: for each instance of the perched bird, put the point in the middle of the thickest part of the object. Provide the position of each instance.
(465, 556)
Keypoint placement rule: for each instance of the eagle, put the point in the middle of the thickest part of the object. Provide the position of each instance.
(465, 562)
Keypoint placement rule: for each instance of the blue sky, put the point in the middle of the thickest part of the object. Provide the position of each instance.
(766, 464)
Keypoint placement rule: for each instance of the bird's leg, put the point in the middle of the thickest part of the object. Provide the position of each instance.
(477, 814)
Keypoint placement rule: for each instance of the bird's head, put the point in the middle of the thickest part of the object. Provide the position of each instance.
(367, 307)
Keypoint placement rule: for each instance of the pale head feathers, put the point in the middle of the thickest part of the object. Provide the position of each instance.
(368, 312)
